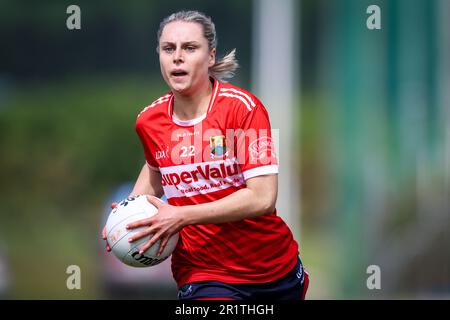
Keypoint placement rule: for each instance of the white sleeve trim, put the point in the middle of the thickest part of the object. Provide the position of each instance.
(260, 171)
(153, 168)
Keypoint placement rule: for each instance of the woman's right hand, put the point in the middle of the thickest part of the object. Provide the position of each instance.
(108, 248)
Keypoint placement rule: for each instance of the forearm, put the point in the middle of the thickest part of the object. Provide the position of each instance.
(257, 198)
(148, 182)
(242, 204)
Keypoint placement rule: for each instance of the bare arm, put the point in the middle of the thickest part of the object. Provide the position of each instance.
(257, 198)
(148, 182)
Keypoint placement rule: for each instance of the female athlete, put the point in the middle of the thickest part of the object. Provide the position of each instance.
(208, 148)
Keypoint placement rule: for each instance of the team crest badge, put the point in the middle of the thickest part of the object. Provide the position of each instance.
(218, 146)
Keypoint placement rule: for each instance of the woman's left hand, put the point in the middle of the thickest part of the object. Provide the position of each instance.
(165, 223)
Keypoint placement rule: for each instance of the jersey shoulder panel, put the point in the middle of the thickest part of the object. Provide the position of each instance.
(238, 96)
(239, 102)
(157, 106)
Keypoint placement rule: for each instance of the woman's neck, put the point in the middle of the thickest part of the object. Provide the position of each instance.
(188, 107)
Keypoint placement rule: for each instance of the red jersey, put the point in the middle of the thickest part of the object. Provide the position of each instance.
(206, 159)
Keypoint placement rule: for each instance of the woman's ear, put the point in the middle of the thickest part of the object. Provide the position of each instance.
(212, 57)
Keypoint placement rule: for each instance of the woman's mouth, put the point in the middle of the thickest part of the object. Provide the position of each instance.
(178, 73)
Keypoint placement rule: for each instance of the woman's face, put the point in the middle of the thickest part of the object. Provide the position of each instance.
(184, 56)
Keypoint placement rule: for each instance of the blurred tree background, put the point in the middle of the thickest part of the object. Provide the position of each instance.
(374, 133)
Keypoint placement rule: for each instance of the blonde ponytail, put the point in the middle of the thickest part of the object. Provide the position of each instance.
(225, 68)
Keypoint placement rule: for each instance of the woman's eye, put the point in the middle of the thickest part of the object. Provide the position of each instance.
(190, 49)
(168, 49)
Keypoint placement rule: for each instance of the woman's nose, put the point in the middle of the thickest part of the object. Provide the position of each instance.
(178, 56)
